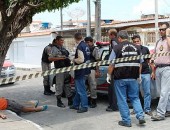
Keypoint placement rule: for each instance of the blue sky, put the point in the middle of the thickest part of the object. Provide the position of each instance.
(110, 9)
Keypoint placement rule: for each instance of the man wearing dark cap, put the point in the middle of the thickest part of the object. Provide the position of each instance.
(125, 79)
(46, 65)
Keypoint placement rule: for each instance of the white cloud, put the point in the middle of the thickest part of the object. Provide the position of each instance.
(148, 7)
(144, 7)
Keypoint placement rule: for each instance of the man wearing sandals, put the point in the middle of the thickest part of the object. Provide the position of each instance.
(8, 104)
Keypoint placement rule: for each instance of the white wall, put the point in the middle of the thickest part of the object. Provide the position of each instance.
(29, 50)
(34, 47)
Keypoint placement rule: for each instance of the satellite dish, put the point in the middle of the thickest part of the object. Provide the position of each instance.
(76, 13)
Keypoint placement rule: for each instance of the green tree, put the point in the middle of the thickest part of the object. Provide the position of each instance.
(17, 14)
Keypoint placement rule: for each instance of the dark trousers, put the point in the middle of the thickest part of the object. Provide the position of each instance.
(112, 96)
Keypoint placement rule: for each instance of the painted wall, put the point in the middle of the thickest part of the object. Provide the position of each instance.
(28, 50)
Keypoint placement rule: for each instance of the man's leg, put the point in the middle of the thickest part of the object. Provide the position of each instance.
(121, 91)
(46, 83)
(67, 88)
(112, 97)
(164, 74)
(18, 108)
(133, 94)
(146, 85)
(59, 89)
(34, 109)
(93, 93)
(76, 99)
(81, 90)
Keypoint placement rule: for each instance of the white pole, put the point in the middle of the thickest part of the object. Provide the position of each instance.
(88, 19)
(156, 20)
(97, 20)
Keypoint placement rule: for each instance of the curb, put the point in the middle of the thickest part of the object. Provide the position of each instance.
(38, 127)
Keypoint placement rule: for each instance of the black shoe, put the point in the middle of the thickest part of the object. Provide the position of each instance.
(82, 110)
(47, 93)
(73, 107)
(109, 109)
(124, 124)
(142, 121)
(60, 104)
(52, 93)
(70, 101)
(93, 103)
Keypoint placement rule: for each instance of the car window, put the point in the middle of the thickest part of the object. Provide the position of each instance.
(105, 55)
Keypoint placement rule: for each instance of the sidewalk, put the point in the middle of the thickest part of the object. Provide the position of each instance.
(14, 122)
(20, 66)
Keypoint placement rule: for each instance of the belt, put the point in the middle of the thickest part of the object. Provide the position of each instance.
(162, 65)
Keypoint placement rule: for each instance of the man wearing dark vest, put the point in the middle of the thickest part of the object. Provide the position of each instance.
(125, 79)
(94, 56)
(111, 90)
(46, 65)
(82, 55)
(60, 57)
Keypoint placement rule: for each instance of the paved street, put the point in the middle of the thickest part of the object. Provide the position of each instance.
(65, 119)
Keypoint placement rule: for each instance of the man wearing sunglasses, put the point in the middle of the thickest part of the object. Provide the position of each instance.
(162, 73)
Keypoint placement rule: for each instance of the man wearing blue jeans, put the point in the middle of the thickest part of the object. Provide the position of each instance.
(82, 55)
(145, 75)
(125, 79)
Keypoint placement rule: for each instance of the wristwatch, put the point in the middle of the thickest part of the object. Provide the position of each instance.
(168, 35)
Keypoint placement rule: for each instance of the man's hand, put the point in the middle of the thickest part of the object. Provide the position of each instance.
(153, 76)
(139, 79)
(168, 32)
(108, 79)
(3, 116)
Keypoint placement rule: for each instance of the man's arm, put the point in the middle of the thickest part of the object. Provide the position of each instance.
(56, 58)
(80, 58)
(111, 66)
(53, 56)
(152, 66)
(110, 69)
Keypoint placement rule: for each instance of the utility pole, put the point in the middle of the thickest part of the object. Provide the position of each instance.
(88, 19)
(97, 20)
(156, 20)
(61, 18)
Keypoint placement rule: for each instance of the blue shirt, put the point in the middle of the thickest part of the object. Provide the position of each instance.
(112, 56)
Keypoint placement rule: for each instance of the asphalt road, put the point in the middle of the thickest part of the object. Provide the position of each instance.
(65, 119)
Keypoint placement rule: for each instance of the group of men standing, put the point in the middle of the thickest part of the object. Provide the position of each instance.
(85, 53)
(122, 76)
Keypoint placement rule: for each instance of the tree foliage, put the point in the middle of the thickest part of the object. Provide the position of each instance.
(17, 14)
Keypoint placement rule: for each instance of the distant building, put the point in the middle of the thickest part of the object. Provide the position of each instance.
(28, 47)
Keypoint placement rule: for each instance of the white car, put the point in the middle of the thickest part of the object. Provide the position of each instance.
(8, 70)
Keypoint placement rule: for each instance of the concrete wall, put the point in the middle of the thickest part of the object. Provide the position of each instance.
(28, 50)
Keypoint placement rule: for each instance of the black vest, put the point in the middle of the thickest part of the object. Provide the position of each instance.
(62, 63)
(128, 69)
(45, 55)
